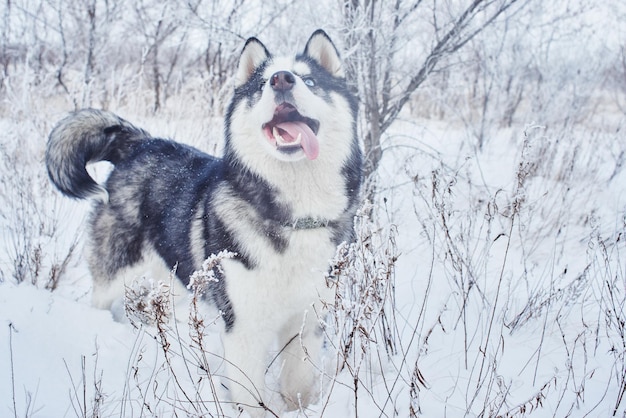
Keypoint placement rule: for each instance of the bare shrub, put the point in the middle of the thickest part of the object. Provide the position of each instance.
(37, 249)
(361, 328)
(186, 359)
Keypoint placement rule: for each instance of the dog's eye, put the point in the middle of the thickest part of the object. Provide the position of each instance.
(309, 81)
(262, 84)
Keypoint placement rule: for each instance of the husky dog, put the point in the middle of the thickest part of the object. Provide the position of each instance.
(282, 197)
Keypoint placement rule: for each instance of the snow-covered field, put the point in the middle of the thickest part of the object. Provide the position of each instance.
(506, 298)
(489, 280)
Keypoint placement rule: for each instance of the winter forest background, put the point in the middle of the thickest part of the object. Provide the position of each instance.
(488, 278)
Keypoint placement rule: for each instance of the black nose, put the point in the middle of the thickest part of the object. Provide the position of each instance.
(282, 81)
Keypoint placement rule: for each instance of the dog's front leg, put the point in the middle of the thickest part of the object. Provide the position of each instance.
(300, 371)
(245, 353)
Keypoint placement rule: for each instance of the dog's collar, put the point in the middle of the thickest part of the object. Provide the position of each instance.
(307, 223)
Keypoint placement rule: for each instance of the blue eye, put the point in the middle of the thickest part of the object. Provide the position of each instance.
(308, 81)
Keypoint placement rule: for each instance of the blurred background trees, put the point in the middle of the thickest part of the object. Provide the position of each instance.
(484, 63)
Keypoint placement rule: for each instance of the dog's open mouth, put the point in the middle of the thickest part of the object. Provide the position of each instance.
(290, 132)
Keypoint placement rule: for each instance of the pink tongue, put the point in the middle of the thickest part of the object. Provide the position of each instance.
(310, 145)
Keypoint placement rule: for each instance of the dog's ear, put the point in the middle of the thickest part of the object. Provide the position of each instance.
(253, 55)
(322, 50)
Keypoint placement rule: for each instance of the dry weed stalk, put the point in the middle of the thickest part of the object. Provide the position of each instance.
(211, 271)
(150, 307)
(362, 315)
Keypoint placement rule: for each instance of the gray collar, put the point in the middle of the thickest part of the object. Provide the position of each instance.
(308, 223)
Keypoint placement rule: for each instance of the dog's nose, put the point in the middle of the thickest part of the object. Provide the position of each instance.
(282, 81)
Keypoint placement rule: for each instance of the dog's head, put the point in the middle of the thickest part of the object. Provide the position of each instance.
(291, 108)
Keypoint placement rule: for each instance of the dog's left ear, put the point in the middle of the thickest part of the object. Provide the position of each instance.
(322, 50)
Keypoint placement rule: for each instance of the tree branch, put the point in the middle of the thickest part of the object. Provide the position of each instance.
(451, 42)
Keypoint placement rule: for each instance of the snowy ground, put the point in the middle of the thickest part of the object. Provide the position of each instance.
(509, 288)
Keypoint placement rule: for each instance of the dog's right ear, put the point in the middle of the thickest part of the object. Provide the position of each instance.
(254, 54)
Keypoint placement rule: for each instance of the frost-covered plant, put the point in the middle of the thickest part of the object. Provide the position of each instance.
(186, 358)
(148, 301)
(362, 328)
(39, 239)
(211, 268)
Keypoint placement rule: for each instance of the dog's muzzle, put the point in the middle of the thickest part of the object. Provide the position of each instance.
(288, 130)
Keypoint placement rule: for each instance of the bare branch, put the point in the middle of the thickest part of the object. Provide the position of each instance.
(452, 41)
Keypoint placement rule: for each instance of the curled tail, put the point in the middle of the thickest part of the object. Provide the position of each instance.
(86, 136)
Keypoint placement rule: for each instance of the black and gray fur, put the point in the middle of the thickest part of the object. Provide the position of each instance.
(181, 203)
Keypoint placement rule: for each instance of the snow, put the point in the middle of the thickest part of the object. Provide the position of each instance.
(45, 336)
(534, 333)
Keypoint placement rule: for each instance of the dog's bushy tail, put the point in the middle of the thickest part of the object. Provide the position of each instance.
(86, 136)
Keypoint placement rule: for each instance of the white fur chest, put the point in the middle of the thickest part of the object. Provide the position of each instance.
(283, 285)
(285, 280)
